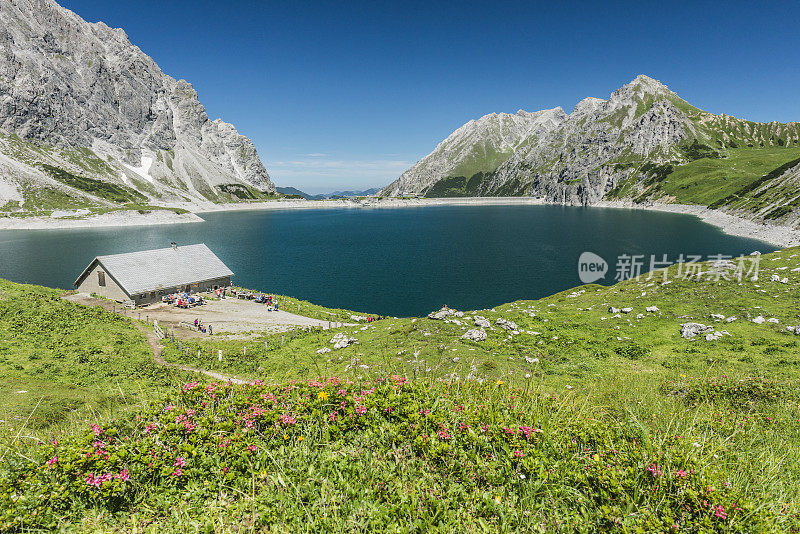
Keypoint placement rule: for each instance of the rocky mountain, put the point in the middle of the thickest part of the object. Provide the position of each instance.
(87, 118)
(623, 147)
(477, 148)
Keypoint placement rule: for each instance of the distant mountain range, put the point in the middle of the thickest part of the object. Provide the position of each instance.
(89, 120)
(644, 143)
(335, 194)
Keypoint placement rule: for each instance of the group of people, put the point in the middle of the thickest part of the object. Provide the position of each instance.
(183, 300)
(221, 292)
(203, 328)
(261, 298)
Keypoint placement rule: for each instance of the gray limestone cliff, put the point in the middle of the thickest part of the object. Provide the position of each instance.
(80, 102)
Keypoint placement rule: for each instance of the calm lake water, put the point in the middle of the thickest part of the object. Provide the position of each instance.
(402, 262)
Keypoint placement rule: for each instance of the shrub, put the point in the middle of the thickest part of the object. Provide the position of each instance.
(304, 455)
(736, 392)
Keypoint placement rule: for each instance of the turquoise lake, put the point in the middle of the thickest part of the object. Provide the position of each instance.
(402, 261)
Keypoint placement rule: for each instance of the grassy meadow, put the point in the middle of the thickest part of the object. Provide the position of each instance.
(571, 416)
(708, 180)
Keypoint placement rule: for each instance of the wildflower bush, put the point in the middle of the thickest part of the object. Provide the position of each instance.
(739, 392)
(387, 454)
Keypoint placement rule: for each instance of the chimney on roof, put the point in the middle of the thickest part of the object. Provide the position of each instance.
(174, 245)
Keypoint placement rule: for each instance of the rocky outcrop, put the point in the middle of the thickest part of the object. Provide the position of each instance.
(690, 330)
(83, 92)
(476, 334)
(444, 313)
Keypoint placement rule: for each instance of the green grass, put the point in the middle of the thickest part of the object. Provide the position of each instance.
(105, 190)
(457, 186)
(569, 336)
(391, 455)
(626, 406)
(60, 362)
(707, 180)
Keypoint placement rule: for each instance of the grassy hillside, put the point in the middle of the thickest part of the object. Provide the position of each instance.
(708, 180)
(68, 361)
(575, 418)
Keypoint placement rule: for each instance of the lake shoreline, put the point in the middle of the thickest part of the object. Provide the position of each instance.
(780, 236)
(123, 218)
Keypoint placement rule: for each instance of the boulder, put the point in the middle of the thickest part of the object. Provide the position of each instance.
(444, 313)
(652, 309)
(508, 325)
(441, 314)
(612, 309)
(759, 320)
(690, 330)
(476, 334)
(626, 310)
(341, 340)
(483, 322)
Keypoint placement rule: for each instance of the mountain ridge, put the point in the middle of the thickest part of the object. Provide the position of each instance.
(82, 98)
(622, 147)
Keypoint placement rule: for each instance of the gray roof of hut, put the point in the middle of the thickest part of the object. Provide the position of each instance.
(149, 270)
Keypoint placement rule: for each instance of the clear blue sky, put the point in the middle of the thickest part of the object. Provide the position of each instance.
(348, 94)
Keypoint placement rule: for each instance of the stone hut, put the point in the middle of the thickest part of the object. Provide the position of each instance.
(144, 277)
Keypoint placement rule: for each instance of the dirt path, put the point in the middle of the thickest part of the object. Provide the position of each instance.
(237, 317)
(153, 341)
(230, 317)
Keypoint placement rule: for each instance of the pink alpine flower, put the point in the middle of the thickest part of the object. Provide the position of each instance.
(179, 462)
(287, 419)
(52, 462)
(654, 470)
